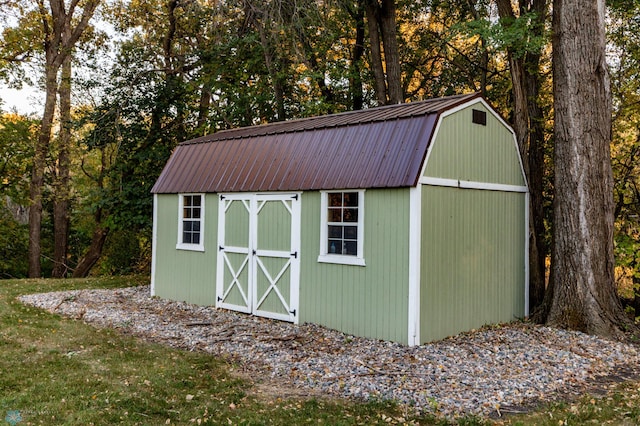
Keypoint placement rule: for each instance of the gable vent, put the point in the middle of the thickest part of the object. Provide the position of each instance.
(479, 117)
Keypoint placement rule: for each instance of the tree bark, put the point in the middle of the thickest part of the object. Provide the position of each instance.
(388, 29)
(62, 191)
(356, 89)
(582, 284)
(93, 253)
(371, 8)
(37, 173)
(385, 56)
(528, 125)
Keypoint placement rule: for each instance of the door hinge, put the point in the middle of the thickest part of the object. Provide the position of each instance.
(220, 248)
(254, 252)
(219, 299)
(295, 255)
(293, 312)
(222, 197)
(295, 196)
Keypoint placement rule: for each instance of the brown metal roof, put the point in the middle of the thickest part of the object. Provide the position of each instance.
(375, 148)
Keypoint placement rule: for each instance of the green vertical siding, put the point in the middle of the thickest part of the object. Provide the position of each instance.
(180, 274)
(370, 301)
(463, 150)
(472, 259)
(236, 224)
(274, 226)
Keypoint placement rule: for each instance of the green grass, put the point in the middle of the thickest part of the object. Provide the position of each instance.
(61, 371)
(55, 370)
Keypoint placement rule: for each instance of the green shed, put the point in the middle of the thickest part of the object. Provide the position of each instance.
(405, 222)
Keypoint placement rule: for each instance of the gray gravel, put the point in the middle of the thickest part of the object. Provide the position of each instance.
(484, 372)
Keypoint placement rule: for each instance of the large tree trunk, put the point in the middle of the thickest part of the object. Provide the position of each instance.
(528, 125)
(582, 282)
(62, 191)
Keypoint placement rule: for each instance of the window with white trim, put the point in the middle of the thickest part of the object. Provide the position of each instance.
(191, 222)
(341, 232)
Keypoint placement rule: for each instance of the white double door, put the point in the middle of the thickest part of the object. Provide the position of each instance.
(258, 263)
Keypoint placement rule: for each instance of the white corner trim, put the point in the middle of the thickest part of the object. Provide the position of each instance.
(415, 232)
(466, 184)
(526, 255)
(154, 245)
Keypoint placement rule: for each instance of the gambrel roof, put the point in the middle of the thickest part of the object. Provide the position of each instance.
(382, 147)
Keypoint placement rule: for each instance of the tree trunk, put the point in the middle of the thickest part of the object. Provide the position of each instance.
(356, 89)
(383, 38)
(37, 173)
(387, 17)
(270, 61)
(536, 160)
(61, 188)
(371, 8)
(583, 287)
(528, 126)
(203, 109)
(93, 253)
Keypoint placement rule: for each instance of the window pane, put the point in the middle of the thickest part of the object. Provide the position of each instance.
(196, 213)
(351, 199)
(335, 231)
(350, 248)
(188, 200)
(197, 200)
(335, 215)
(186, 213)
(196, 239)
(350, 232)
(335, 199)
(350, 215)
(334, 247)
(196, 227)
(186, 237)
(187, 226)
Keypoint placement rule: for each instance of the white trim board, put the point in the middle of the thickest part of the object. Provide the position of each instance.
(154, 245)
(466, 184)
(415, 233)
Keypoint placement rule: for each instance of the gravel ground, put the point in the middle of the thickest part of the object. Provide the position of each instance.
(484, 372)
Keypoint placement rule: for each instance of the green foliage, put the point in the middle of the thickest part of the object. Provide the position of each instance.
(625, 149)
(515, 34)
(126, 252)
(17, 135)
(14, 238)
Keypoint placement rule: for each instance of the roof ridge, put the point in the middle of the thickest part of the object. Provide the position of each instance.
(368, 115)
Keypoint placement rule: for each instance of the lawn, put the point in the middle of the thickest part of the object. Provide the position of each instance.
(62, 371)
